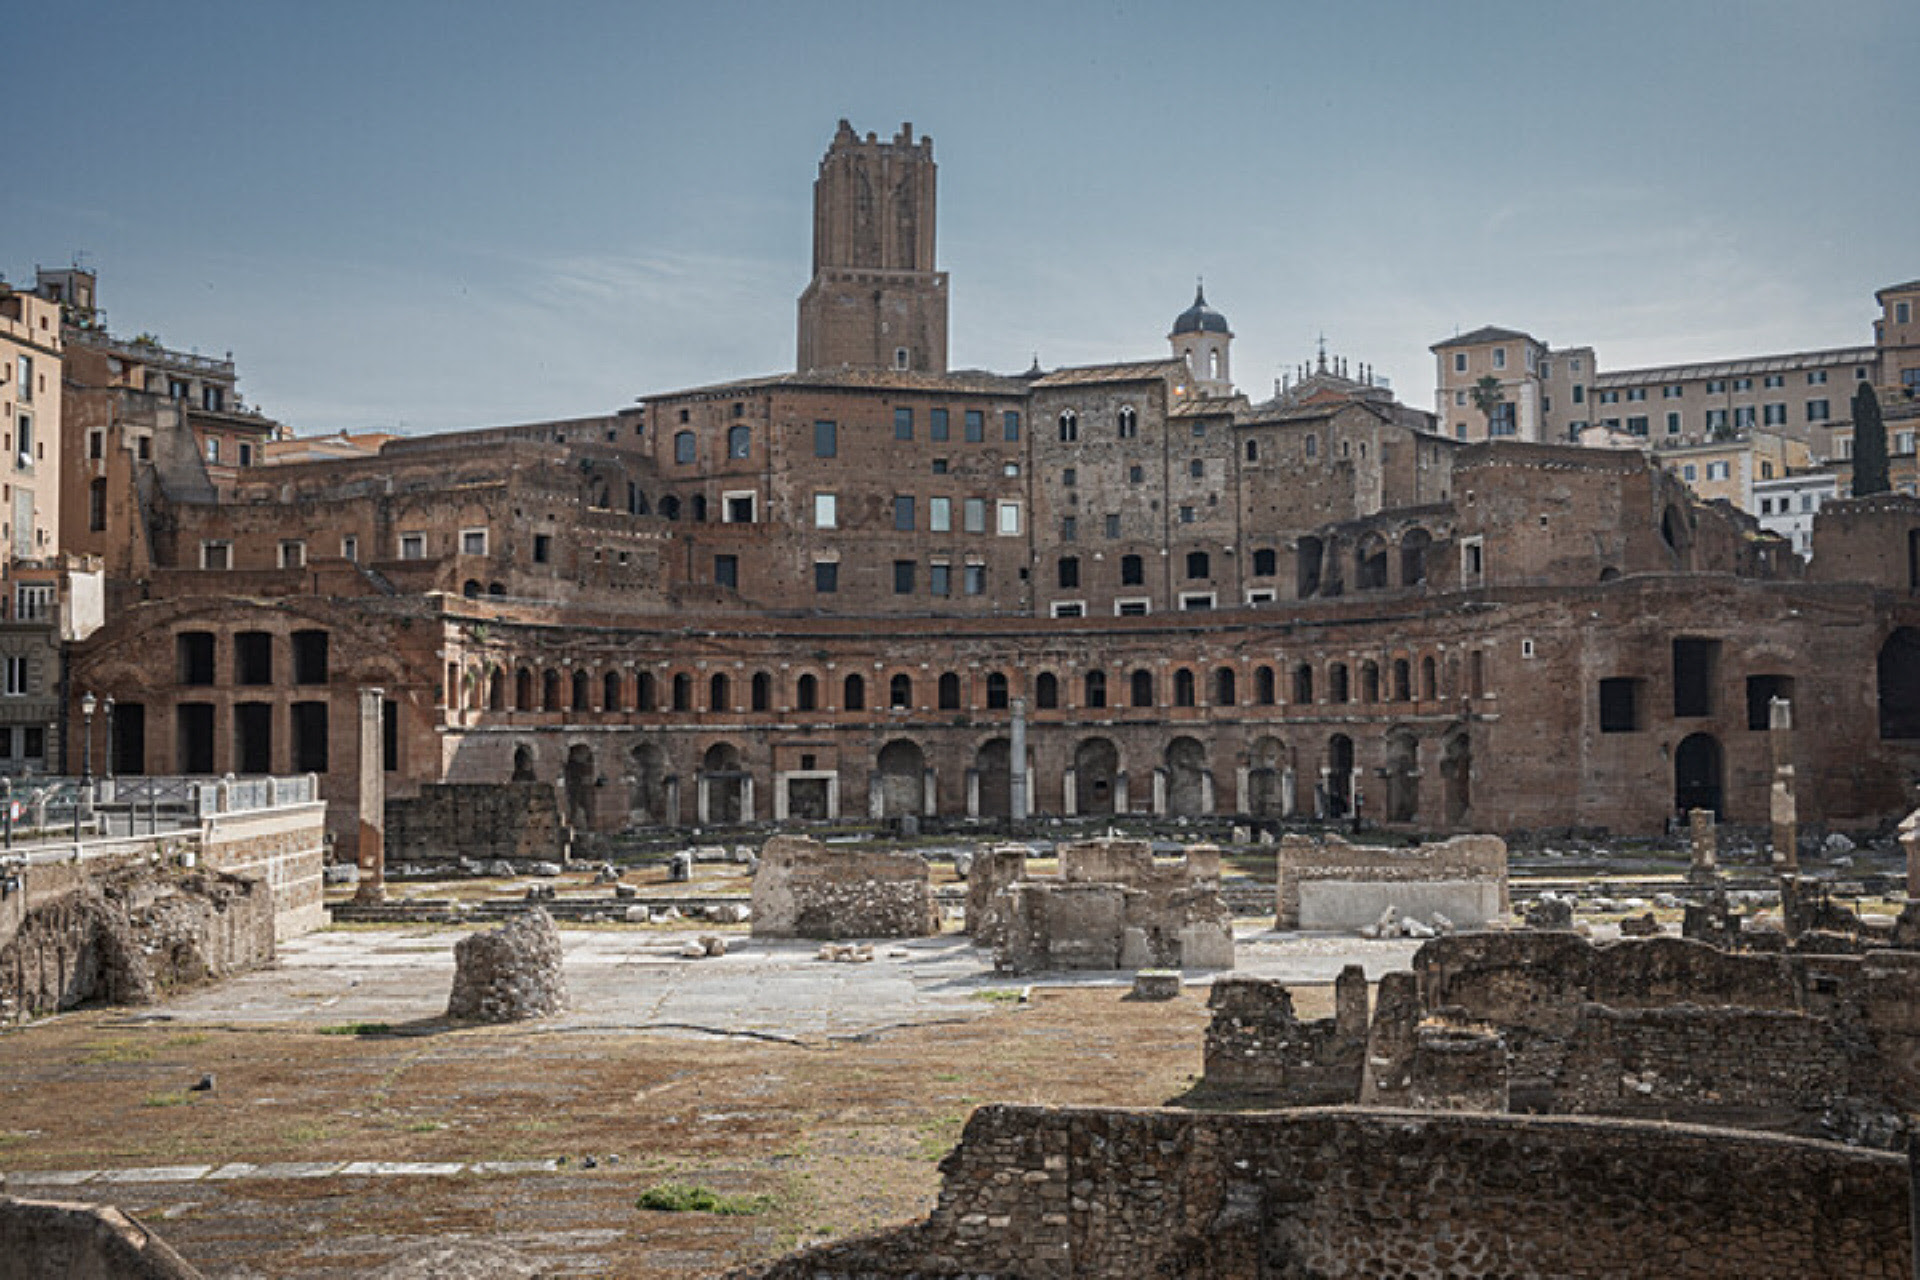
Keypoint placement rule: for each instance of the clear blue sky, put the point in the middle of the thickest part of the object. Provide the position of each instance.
(431, 215)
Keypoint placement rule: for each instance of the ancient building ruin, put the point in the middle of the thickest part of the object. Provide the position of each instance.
(805, 889)
(1324, 882)
(1112, 906)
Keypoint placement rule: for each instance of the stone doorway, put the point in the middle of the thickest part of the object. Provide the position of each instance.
(1096, 776)
(1697, 774)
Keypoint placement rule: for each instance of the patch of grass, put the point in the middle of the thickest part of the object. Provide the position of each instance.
(426, 1126)
(308, 1134)
(682, 1197)
(117, 1051)
(357, 1029)
(938, 1135)
(175, 1099)
(186, 1040)
(998, 995)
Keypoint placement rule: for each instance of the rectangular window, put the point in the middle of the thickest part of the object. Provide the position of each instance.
(16, 677)
(216, 555)
(1009, 519)
(246, 454)
(1743, 418)
(473, 542)
(1619, 705)
(1579, 394)
(939, 466)
(1193, 601)
(1716, 419)
(1773, 380)
(903, 514)
(974, 515)
(1069, 609)
(1672, 392)
(1459, 399)
(1689, 473)
(413, 546)
(1901, 313)
(903, 577)
(738, 508)
(1716, 471)
(1499, 357)
(1010, 426)
(1696, 666)
(350, 549)
(1776, 415)
(936, 424)
(1743, 384)
(25, 381)
(1903, 442)
(1069, 528)
(33, 602)
(1673, 422)
(976, 426)
(213, 451)
(826, 576)
(1069, 477)
(1637, 424)
(96, 444)
(1131, 608)
(1816, 411)
(826, 510)
(1459, 362)
(940, 515)
(726, 572)
(826, 440)
(1636, 393)
(1716, 386)
(1186, 515)
(293, 554)
(903, 424)
(940, 578)
(1817, 378)
(23, 439)
(976, 579)
(1113, 526)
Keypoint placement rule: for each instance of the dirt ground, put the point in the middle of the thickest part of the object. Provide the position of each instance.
(819, 1141)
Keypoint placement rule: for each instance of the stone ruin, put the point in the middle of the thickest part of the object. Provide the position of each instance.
(483, 822)
(1112, 906)
(509, 974)
(1324, 882)
(805, 889)
(1336, 1191)
(82, 1242)
(128, 932)
(1548, 1022)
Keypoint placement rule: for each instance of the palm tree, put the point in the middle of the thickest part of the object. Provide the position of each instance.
(1488, 397)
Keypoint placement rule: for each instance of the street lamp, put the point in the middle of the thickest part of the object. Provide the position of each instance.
(86, 739)
(107, 763)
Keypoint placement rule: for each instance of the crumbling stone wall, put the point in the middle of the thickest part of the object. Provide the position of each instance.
(1114, 907)
(517, 821)
(130, 932)
(993, 869)
(1315, 1192)
(806, 889)
(1258, 1049)
(1324, 882)
(82, 1242)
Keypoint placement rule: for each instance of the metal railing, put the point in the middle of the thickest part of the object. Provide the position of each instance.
(43, 810)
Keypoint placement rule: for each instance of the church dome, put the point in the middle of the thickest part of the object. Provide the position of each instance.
(1200, 318)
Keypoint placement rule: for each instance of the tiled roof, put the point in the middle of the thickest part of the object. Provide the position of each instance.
(1789, 363)
(1908, 287)
(1134, 371)
(964, 381)
(1478, 336)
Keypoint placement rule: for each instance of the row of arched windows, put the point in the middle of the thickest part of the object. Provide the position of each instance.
(1398, 680)
(1126, 424)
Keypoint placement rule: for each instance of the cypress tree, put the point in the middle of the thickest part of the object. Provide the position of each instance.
(1869, 444)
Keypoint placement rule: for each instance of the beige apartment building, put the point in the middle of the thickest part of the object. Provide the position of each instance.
(1729, 469)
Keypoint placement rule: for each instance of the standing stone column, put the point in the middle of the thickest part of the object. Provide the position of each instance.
(1069, 792)
(1159, 793)
(780, 796)
(1242, 780)
(1017, 764)
(1289, 792)
(1705, 846)
(929, 793)
(746, 798)
(1122, 793)
(371, 852)
(1206, 791)
(1783, 808)
(1910, 841)
(833, 796)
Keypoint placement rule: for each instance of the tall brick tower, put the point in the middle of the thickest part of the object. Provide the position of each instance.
(875, 301)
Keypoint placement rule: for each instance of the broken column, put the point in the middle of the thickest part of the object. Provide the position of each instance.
(509, 974)
(1910, 841)
(1705, 846)
(1782, 808)
(371, 851)
(1017, 768)
(1387, 1080)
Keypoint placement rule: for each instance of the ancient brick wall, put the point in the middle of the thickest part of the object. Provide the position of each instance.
(518, 821)
(805, 889)
(1257, 1049)
(1114, 907)
(82, 1242)
(1057, 1193)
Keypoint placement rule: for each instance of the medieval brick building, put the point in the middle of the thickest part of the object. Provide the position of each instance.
(875, 587)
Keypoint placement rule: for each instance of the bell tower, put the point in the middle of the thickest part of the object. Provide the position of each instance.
(875, 301)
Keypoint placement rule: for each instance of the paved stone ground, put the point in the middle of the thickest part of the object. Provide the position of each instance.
(634, 979)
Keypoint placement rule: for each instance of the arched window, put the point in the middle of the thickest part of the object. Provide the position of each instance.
(760, 692)
(1264, 692)
(1337, 682)
(1069, 426)
(683, 447)
(582, 691)
(610, 692)
(1313, 445)
(550, 691)
(807, 693)
(1369, 681)
(1142, 688)
(1226, 692)
(717, 699)
(949, 695)
(1133, 571)
(471, 589)
(1129, 422)
(1253, 451)
(682, 691)
(1303, 683)
(996, 691)
(1429, 679)
(644, 696)
(1266, 562)
(1096, 687)
(523, 690)
(1402, 680)
(900, 691)
(1213, 363)
(1183, 688)
(496, 690)
(854, 695)
(1046, 691)
(1199, 564)
(739, 442)
(669, 508)
(700, 508)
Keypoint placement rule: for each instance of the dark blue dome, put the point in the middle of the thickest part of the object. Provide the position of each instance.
(1200, 318)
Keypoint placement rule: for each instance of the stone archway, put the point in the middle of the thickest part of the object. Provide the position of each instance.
(993, 765)
(1096, 776)
(1456, 776)
(1897, 673)
(648, 803)
(725, 782)
(523, 764)
(903, 771)
(1267, 763)
(1403, 776)
(1186, 778)
(580, 775)
(1339, 777)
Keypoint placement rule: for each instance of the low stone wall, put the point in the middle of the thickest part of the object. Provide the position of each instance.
(285, 849)
(1037, 1192)
(516, 821)
(1113, 906)
(805, 889)
(1327, 883)
(45, 1238)
(1259, 1051)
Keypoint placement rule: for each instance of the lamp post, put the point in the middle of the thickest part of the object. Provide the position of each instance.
(106, 763)
(87, 705)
